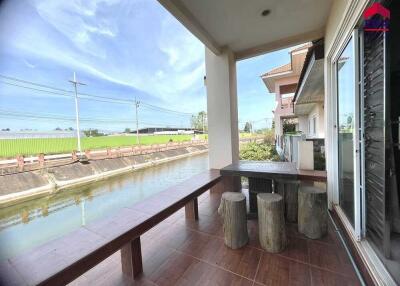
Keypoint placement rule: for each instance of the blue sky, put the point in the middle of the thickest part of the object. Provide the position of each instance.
(119, 49)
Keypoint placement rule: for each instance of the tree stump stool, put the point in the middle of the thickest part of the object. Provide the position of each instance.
(271, 222)
(256, 186)
(233, 212)
(288, 190)
(312, 212)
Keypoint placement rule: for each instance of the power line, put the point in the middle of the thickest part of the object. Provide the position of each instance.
(5, 113)
(157, 108)
(36, 89)
(33, 83)
(69, 93)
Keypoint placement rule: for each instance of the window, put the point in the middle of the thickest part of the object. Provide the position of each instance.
(312, 126)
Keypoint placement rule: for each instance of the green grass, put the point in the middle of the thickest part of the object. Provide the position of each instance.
(34, 146)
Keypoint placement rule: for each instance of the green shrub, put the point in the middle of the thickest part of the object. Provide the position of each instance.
(259, 152)
(319, 161)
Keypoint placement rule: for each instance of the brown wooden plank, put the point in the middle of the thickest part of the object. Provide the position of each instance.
(131, 258)
(63, 260)
(312, 175)
(192, 210)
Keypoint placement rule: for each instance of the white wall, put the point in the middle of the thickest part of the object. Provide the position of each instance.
(318, 111)
(303, 124)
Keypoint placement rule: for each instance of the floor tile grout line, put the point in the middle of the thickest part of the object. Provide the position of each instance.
(258, 268)
(213, 265)
(331, 271)
(323, 242)
(309, 264)
(311, 278)
(309, 260)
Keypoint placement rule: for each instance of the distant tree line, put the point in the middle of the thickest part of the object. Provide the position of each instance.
(93, 133)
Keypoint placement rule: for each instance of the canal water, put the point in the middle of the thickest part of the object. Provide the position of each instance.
(36, 222)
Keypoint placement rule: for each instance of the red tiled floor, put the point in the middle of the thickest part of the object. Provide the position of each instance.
(206, 224)
(275, 271)
(188, 252)
(327, 278)
(330, 257)
(296, 249)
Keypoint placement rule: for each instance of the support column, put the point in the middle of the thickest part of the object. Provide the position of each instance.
(222, 112)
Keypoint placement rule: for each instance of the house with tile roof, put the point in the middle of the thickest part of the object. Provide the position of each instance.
(283, 82)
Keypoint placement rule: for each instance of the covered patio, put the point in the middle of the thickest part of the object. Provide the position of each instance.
(179, 251)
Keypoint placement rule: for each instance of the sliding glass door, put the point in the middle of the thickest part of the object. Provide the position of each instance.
(346, 118)
(349, 138)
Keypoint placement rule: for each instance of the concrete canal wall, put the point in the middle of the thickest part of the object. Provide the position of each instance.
(18, 187)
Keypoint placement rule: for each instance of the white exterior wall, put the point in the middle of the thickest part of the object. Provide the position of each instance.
(317, 111)
(303, 124)
(222, 112)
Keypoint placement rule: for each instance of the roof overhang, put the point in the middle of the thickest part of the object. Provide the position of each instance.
(269, 81)
(311, 84)
(239, 26)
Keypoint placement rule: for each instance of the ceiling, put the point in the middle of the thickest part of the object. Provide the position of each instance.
(238, 24)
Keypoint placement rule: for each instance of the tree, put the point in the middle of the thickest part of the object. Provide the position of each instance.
(199, 121)
(5, 129)
(127, 130)
(248, 127)
(92, 133)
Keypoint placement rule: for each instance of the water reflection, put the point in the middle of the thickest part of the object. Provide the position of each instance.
(35, 222)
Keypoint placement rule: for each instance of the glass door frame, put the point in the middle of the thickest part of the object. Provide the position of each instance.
(359, 194)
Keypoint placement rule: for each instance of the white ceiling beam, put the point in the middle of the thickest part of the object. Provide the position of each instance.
(280, 44)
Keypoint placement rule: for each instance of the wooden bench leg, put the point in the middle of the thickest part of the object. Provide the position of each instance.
(131, 259)
(192, 210)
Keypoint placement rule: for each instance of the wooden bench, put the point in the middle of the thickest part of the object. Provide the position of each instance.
(60, 261)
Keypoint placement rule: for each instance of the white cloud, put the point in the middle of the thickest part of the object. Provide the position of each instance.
(77, 21)
(119, 42)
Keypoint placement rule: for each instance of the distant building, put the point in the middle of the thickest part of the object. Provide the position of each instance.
(283, 82)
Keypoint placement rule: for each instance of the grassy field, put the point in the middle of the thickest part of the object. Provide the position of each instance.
(13, 147)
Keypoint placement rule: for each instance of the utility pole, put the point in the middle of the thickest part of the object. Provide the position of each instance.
(137, 120)
(202, 121)
(78, 132)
